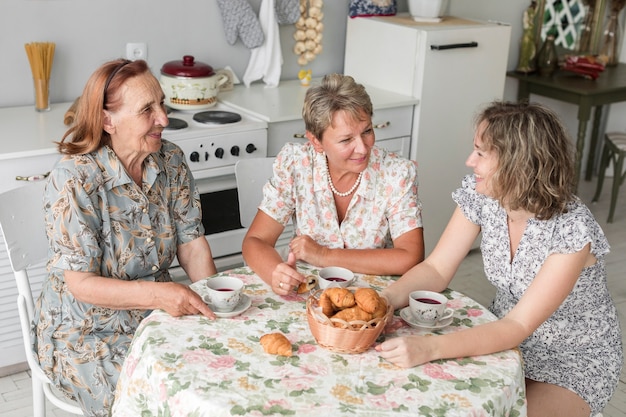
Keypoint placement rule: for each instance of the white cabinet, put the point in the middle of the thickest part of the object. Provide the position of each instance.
(392, 127)
(453, 68)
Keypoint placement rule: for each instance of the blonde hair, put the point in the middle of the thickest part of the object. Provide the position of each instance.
(101, 92)
(535, 169)
(336, 92)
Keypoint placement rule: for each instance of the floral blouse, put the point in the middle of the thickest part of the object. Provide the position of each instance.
(384, 206)
(98, 220)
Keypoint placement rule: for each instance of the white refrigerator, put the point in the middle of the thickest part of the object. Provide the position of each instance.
(454, 68)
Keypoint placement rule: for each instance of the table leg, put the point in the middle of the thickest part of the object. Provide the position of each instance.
(580, 146)
(595, 131)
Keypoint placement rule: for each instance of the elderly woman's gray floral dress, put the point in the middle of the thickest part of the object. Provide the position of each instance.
(579, 347)
(98, 220)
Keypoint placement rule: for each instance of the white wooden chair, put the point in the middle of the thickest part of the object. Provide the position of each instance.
(251, 175)
(22, 223)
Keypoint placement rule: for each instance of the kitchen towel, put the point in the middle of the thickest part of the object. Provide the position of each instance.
(240, 21)
(266, 60)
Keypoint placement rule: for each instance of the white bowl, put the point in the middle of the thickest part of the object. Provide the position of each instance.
(427, 8)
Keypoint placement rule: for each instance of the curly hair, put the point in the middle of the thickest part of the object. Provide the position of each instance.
(337, 92)
(101, 92)
(535, 169)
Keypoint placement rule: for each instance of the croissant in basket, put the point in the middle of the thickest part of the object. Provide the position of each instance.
(363, 305)
(367, 298)
(351, 314)
(276, 344)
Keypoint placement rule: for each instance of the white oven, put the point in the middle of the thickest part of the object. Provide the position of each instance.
(213, 141)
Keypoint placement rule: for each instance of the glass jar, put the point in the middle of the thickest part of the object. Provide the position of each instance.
(611, 40)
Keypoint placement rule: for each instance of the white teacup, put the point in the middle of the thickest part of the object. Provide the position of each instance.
(335, 276)
(224, 293)
(429, 307)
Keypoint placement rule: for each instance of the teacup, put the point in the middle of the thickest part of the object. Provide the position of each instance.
(224, 293)
(429, 307)
(335, 276)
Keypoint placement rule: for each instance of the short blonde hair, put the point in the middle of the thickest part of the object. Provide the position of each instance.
(336, 92)
(535, 157)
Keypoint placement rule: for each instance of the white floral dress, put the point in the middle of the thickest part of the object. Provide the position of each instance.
(579, 347)
(384, 206)
(98, 220)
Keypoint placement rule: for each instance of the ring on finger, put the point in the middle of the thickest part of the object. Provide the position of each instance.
(280, 285)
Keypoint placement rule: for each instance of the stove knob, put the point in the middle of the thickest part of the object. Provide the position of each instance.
(250, 148)
(195, 156)
(234, 151)
(219, 152)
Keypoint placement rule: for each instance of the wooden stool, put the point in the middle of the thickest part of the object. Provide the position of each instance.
(614, 150)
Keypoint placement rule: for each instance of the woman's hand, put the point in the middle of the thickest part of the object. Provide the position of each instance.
(308, 250)
(180, 300)
(285, 277)
(407, 351)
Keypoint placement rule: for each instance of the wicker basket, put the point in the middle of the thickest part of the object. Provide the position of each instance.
(351, 337)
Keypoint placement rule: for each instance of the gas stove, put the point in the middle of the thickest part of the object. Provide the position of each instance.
(212, 147)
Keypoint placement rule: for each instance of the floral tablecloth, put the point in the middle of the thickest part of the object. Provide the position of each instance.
(192, 366)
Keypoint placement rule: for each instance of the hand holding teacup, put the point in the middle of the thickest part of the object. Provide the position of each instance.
(429, 307)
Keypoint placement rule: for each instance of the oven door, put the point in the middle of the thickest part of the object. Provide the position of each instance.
(220, 218)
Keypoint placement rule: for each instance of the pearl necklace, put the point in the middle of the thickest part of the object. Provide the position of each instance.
(334, 190)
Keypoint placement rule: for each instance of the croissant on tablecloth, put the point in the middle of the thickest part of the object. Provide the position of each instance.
(276, 344)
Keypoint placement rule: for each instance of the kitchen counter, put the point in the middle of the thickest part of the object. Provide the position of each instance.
(284, 103)
(26, 132)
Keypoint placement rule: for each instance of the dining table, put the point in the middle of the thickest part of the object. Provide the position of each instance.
(195, 366)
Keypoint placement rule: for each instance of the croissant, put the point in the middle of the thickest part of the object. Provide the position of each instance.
(276, 344)
(328, 309)
(367, 298)
(308, 284)
(351, 314)
(340, 297)
(381, 309)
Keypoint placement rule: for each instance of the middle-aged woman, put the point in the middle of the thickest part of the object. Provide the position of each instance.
(352, 204)
(543, 251)
(119, 206)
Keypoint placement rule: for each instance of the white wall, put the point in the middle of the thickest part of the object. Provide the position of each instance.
(89, 32)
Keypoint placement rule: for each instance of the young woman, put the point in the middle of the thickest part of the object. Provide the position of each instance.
(542, 250)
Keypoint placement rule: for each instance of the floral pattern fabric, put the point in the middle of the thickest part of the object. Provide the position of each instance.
(580, 346)
(384, 206)
(98, 220)
(192, 366)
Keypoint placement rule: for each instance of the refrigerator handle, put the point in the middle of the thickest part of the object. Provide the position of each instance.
(453, 46)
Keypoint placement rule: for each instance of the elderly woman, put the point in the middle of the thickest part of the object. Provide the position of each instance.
(352, 204)
(120, 205)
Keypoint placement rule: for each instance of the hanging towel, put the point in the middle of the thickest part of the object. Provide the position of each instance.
(266, 60)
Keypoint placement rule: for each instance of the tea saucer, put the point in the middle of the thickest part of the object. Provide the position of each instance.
(244, 303)
(405, 314)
